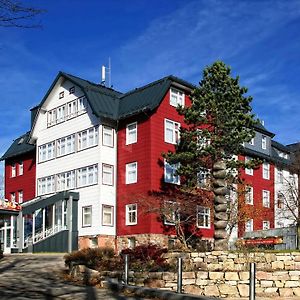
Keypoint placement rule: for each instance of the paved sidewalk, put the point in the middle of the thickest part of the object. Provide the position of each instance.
(37, 276)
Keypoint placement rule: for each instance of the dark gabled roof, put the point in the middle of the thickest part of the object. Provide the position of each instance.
(280, 146)
(103, 100)
(294, 147)
(148, 97)
(18, 147)
(261, 128)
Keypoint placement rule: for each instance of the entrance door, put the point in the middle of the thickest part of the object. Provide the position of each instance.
(5, 238)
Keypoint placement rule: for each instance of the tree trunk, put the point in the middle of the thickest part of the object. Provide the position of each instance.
(220, 206)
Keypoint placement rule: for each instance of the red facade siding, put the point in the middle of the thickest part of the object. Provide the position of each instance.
(257, 211)
(25, 182)
(148, 154)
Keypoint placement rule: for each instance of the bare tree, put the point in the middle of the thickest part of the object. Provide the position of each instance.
(15, 14)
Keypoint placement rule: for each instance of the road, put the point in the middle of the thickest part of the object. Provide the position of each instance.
(38, 276)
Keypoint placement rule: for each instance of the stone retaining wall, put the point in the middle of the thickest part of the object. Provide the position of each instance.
(225, 274)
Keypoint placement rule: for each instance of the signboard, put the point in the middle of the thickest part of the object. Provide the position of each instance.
(9, 205)
(263, 241)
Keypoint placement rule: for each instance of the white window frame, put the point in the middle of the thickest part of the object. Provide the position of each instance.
(46, 152)
(13, 170)
(109, 212)
(65, 181)
(81, 105)
(20, 196)
(131, 133)
(174, 131)
(13, 197)
(88, 138)
(107, 136)
(131, 214)
(249, 225)
(87, 176)
(51, 117)
(266, 170)
(131, 172)
(204, 214)
(176, 97)
(87, 211)
(249, 195)
(46, 185)
(202, 178)
(266, 198)
(248, 171)
(107, 174)
(169, 173)
(264, 142)
(279, 175)
(66, 145)
(21, 168)
(171, 213)
(266, 225)
(60, 114)
(71, 109)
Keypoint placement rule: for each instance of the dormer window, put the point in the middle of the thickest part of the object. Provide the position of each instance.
(176, 97)
(61, 94)
(72, 90)
(264, 142)
(251, 142)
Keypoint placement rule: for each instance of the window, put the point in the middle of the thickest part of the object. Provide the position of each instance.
(131, 173)
(107, 215)
(72, 90)
(12, 197)
(203, 217)
(249, 225)
(61, 95)
(66, 181)
(131, 133)
(66, 145)
(264, 142)
(170, 173)
(107, 136)
(171, 132)
(20, 197)
(171, 212)
(266, 198)
(13, 170)
(46, 152)
(88, 138)
(51, 117)
(131, 214)
(87, 216)
(203, 177)
(81, 105)
(280, 200)
(279, 176)
(248, 171)
(46, 185)
(251, 142)
(201, 139)
(176, 97)
(249, 195)
(107, 174)
(21, 168)
(87, 176)
(266, 170)
(266, 225)
(71, 109)
(131, 242)
(60, 114)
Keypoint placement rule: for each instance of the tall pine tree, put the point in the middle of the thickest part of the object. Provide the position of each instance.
(218, 121)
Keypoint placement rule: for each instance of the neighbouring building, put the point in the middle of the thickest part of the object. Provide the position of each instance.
(93, 154)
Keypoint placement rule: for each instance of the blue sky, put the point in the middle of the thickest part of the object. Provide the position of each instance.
(147, 40)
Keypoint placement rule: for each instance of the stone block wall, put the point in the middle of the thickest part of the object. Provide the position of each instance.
(226, 275)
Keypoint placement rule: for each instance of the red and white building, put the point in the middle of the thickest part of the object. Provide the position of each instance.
(108, 146)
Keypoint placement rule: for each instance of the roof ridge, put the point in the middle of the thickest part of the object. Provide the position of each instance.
(145, 86)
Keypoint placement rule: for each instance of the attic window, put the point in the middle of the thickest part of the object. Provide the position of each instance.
(72, 90)
(62, 94)
(21, 141)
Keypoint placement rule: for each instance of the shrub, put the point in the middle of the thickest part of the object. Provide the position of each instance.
(95, 258)
(147, 257)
